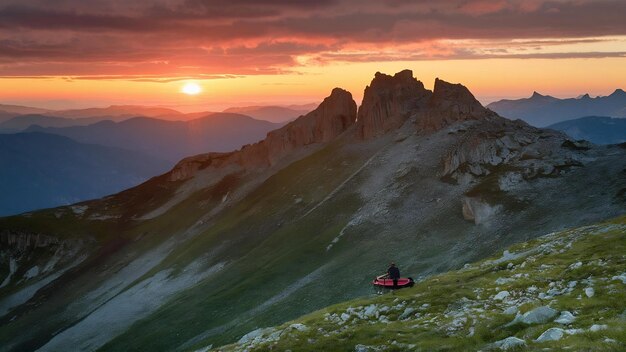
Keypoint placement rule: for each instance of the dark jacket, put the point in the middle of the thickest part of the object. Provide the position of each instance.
(394, 272)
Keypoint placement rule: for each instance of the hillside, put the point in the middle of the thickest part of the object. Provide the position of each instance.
(43, 170)
(544, 110)
(228, 242)
(170, 140)
(562, 291)
(596, 129)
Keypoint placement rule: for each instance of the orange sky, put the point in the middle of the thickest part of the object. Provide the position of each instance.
(242, 52)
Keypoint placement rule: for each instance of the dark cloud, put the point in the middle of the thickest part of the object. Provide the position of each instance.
(184, 38)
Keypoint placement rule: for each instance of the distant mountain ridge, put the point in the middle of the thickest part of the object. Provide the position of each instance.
(596, 129)
(270, 113)
(170, 140)
(544, 110)
(44, 170)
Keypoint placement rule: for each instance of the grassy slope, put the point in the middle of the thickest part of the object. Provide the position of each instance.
(254, 230)
(456, 311)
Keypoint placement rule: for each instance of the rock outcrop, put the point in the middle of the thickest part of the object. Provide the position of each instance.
(451, 103)
(388, 101)
(331, 118)
(478, 211)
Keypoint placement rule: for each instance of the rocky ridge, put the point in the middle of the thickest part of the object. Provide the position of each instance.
(331, 118)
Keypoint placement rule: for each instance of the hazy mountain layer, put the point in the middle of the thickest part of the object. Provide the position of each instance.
(226, 243)
(270, 113)
(43, 170)
(543, 110)
(171, 140)
(596, 129)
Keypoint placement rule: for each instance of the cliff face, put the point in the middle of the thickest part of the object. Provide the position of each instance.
(451, 103)
(27, 255)
(388, 101)
(331, 118)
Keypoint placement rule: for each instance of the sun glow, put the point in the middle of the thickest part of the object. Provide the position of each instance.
(191, 88)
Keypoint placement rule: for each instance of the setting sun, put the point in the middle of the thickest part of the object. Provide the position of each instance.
(192, 89)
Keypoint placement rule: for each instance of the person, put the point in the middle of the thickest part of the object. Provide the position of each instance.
(394, 274)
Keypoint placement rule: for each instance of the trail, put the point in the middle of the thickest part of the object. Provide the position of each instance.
(338, 188)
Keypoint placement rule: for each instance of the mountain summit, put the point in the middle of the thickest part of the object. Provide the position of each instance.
(387, 102)
(226, 243)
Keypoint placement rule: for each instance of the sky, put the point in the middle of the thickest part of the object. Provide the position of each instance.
(78, 53)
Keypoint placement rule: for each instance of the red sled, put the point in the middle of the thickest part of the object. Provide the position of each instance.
(388, 283)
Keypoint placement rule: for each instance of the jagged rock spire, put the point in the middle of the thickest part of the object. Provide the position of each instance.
(388, 101)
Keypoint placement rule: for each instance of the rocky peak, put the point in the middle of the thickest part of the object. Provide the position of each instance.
(618, 93)
(536, 95)
(331, 118)
(388, 102)
(451, 103)
(447, 95)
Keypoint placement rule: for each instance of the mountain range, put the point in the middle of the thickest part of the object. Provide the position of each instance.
(596, 129)
(277, 114)
(42, 170)
(229, 242)
(544, 110)
(170, 140)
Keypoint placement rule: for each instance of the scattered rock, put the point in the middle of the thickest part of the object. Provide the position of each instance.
(575, 265)
(365, 348)
(565, 318)
(299, 327)
(621, 277)
(511, 310)
(552, 334)
(590, 292)
(598, 327)
(510, 343)
(252, 335)
(538, 315)
(406, 313)
(502, 295)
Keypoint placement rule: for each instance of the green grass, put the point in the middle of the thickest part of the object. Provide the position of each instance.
(601, 250)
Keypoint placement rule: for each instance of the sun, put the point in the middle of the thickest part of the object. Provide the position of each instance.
(191, 88)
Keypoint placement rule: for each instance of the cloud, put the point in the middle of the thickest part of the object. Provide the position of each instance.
(160, 39)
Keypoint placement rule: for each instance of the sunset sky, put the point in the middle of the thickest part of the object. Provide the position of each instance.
(77, 53)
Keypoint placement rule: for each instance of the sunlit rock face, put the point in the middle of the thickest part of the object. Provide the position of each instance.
(448, 104)
(388, 101)
(331, 118)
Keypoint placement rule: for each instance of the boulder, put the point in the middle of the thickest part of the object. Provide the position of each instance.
(539, 315)
(552, 334)
(598, 327)
(502, 295)
(510, 342)
(565, 318)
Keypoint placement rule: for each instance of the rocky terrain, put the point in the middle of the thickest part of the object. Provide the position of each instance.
(226, 243)
(562, 291)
